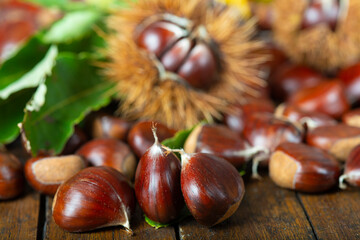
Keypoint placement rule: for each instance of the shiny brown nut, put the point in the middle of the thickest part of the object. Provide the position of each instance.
(45, 174)
(339, 139)
(350, 77)
(12, 182)
(352, 118)
(75, 141)
(107, 126)
(112, 153)
(327, 97)
(352, 169)
(303, 168)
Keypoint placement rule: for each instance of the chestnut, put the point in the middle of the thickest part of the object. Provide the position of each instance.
(211, 186)
(303, 168)
(140, 137)
(327, 97)
(217, 140)
(352, 118)
(107, 126)
(308, 120)
(95, 197)
(239, 113)
(12, 182)
(75, 141)
(112, 153)
(157, 184)
(45, 174)
(265, 131)
(290, 78)
(339, 139)
(350, 77)
(352, 169)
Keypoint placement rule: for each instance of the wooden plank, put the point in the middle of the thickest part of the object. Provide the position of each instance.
(334, 215)
(267, 212)
(141, 230)
(19, 217)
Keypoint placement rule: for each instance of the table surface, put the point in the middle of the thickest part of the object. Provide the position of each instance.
(266, 212)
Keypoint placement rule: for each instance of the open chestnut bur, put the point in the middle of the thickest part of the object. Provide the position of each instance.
(339, 139)
(45, 174)
(94, 198)
(157, 183)
(265, 131)
(222, 142)
(303, 168)
(112, 153)
(352, 169)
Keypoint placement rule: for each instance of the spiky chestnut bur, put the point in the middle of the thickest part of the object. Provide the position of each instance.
(181, 61)
(300, 167)
(222, 142)
(157, 184)
(94, 198)
(211, 186)
(352, 169)
(318, 33)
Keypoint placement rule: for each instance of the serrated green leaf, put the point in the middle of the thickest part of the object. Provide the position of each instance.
(73, 90)
(14, 70)
(73, 26)
(12, 112)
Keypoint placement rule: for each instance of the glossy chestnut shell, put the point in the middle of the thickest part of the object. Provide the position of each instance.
(12, 182)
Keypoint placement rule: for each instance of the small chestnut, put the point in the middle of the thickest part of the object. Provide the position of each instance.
(350, 77)
(95, 197)
(237, 117)
(217, 140)
(307, 119)
(112, 153)
(107, 126)
(12, 180)
(338, 139)
(352, 169)
(327, 97)
(211, 186)
(75, 141)
(303, 168)
(352, 118)
(140, 137)
(45, 174)
(157, 184)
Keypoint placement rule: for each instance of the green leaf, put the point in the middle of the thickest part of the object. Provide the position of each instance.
(183, 214)
(178, 140)
(13, 110)
(73, 26)
(68, 5)
(15, 73)
(73, 90)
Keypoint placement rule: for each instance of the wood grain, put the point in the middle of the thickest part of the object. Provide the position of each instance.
(267, 212)
(334, 215)
(141, 230)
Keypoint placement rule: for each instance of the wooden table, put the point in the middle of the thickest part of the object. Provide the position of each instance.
(267, 212)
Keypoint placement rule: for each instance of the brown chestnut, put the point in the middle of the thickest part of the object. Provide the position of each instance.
(352, 118)
(112, 153)
(12, 180)
(303, 168)
(307, 119)
(327, 97)
(239, 113)
(140, 137)
(211, 186)
(45, 174)
(107, 126)
(95, 197)
(339, 139)
(266, 131)
(350, 77)
(352, 169)
(74, 142)
(157, 184)
(217, 140)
